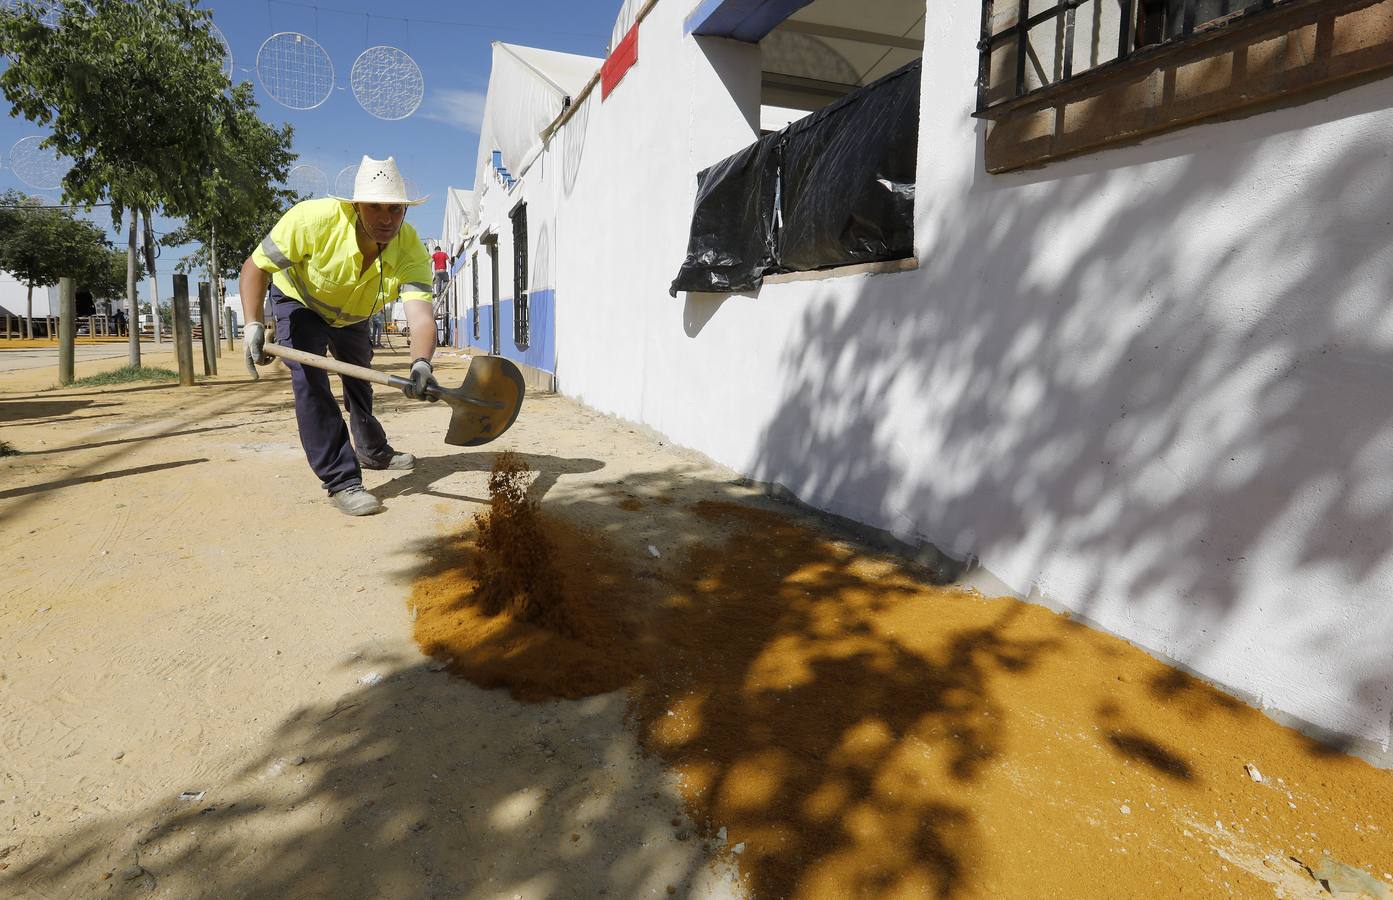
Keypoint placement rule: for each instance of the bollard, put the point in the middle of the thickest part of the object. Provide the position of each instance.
(210, 328)
(231, 318)
(183, 330)
(67, 325)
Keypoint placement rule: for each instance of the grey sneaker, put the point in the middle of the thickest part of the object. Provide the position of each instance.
(395, 461)
(355, 501)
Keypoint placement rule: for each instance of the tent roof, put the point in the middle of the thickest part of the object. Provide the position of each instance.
(628, 14)
(460, 216)
(568, 72)
(529, 89)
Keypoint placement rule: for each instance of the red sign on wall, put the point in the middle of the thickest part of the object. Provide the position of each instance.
(620, 61)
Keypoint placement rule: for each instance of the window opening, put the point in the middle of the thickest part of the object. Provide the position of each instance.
(828, 49)
(521, 331)
(1028, 49)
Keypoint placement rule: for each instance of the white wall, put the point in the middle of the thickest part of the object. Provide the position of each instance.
(14, 297)
(1150, 384)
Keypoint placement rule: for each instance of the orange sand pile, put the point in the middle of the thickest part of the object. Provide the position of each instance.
(865, 734)
(523, 602)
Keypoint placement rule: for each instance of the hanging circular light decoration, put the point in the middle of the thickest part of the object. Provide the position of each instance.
(308, 181)
(387, 82)
(295, 70)
(37, 166)
(226, 50)
(343, 182)
(49, 10)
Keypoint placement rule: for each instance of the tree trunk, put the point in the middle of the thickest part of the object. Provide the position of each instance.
(154, 281)
(132, 304)
(215, 280)
(29, 314)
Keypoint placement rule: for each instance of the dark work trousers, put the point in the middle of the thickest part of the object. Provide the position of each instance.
(323, 434)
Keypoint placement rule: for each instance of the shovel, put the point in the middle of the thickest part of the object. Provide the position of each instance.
(481, 408)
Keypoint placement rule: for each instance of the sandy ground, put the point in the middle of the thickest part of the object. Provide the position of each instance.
(41, 355)
(209, 687)
(184, 616)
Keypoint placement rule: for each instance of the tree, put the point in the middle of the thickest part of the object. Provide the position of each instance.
(134, 94)
(241, 198)
(105, 278)
(39, 245)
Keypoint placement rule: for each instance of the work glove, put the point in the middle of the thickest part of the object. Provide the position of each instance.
(254, 342)
(421, 379)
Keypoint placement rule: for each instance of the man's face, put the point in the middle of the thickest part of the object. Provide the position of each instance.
(381, 221)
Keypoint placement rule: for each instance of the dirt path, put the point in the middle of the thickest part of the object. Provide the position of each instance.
(183, 614)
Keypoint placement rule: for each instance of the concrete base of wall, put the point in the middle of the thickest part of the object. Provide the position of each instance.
(538, 380)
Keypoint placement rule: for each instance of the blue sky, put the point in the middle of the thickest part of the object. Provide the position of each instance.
(450, 42)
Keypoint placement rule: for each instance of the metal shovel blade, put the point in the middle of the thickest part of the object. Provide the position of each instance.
(486, 405)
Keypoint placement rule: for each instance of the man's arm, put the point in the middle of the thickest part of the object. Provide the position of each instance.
(252, 283)
(420, 317)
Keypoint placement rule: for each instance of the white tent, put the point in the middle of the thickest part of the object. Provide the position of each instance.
(529, 89)
(461, 219)
(628, 15)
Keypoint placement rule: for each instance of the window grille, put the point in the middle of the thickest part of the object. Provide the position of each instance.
(521, 332)
(474, 267)
(1031, 51)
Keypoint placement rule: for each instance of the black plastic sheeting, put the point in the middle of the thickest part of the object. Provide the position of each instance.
(732, 242)
(833, 189)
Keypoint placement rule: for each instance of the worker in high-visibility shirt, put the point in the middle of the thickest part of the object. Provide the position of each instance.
(330, 266)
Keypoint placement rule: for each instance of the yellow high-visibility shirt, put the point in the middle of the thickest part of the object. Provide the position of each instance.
(313, 257)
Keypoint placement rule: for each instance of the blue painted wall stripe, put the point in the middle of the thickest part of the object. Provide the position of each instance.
(540, 353)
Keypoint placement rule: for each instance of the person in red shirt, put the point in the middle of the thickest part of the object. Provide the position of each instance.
(441, 260)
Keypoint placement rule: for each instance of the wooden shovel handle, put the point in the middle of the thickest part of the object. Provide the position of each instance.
(329, 364)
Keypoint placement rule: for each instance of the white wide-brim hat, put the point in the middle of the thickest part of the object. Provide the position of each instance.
(379, 181)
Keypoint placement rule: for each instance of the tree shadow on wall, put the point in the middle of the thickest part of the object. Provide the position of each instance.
(1120, 387)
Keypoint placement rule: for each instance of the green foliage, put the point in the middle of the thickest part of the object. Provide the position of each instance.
(242, 201)
(106, 278)
(39, 245)
(133, 92)
(125, 375)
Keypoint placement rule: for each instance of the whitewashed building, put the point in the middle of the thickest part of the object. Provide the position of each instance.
(1136, 362)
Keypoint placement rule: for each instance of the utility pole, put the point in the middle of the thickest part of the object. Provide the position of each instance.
(67, 328)
(132, 303)
(154, 282)
(215, 279)
(183, 330)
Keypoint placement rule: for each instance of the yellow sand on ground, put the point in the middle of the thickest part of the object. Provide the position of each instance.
(858, 732)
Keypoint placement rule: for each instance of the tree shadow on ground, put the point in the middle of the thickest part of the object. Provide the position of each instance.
(850, 728)
(830, 737)
(432, 469)
(416, 786)
(12, 412)
(50, 486)
(202, 407)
